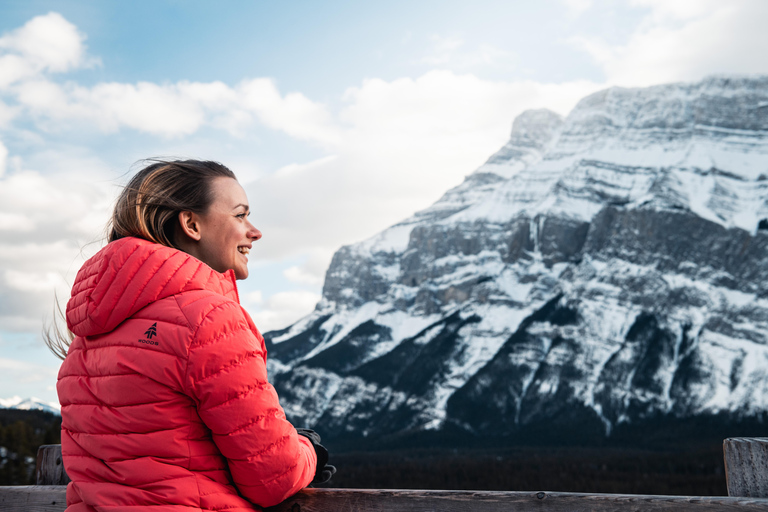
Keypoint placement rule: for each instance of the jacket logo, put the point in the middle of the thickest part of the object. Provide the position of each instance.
(152, 331)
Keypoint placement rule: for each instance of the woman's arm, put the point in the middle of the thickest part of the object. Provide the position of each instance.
(227, 377)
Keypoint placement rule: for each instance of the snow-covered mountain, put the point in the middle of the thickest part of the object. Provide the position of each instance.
(600, 269)
(27, 404)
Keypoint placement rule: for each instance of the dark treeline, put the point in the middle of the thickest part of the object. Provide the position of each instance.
(663, 455)
(21, 434)
(590, 470)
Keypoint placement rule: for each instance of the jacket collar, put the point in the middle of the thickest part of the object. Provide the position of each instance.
(131, 273)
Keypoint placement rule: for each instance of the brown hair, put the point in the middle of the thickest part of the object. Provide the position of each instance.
(148, 208)
(149, 205)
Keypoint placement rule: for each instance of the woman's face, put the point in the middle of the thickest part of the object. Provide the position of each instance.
(225, 233)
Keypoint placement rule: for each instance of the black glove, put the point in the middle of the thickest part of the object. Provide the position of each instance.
(324, 470)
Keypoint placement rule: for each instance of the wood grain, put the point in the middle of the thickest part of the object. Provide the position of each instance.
(50, 469)
(746, 466)
(52, 498)
(33, 498)
(360, 500)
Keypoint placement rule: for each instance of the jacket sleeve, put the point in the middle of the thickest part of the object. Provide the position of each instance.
(227, 377)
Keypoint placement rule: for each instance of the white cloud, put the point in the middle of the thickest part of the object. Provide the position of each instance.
(46, 229)
(45, 43)
(221, 102)
(180, 109)
(3, 159)
(14, 68)
(578, 6)
(293, 113)
(28, 379)
(405, 142)
(685, 40)
(50, 44)
(24, 371)
(15, 222)
(255, 298)
(284, 308)
(297, 274)
(176, 110)
(312, 271)
(36, 273)
(20, 323)
(679, 10)
(7, 113)
(295, 168)
(442, 103)
(146, 107)
(34, 281)
(50, 41)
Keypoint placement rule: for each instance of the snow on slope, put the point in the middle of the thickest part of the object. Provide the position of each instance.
(611, 262)
(27, 404)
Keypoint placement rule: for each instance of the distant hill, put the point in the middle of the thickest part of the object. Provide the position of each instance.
(28, 404)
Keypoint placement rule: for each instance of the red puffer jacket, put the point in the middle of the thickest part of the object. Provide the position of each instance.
(164, 396)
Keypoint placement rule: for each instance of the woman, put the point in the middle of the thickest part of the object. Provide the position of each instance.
(164, 396)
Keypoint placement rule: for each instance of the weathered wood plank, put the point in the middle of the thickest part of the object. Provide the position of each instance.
(50, 469)
(52, 498)
(746, 466)
(364, 500)
(33, 498)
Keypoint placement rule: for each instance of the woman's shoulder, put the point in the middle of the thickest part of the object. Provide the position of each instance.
(209, 312)
(130, 275)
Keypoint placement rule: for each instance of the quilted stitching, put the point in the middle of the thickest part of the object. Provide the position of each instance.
(248, 391)
(98, 303)
(152, 404)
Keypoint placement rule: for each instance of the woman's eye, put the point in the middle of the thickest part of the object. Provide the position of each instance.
(240, 215)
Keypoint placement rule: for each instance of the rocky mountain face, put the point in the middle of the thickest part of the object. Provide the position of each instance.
(598, 270)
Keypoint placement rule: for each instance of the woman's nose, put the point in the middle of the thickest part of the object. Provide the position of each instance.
(255, 234)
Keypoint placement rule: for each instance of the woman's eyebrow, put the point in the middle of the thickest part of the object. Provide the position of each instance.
(247, 208)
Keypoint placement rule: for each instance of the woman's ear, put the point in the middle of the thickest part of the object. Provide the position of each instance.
(190, 225)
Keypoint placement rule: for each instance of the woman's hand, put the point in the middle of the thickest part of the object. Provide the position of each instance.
(324, 470)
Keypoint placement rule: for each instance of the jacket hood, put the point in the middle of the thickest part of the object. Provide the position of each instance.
(129, 274)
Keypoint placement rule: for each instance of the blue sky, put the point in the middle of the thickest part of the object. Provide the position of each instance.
(340, 118)
(327, 45)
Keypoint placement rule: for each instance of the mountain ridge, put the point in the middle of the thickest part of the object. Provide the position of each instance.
(607, 264)
(27, 404)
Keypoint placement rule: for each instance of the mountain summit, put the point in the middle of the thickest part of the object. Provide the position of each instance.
(606, 268)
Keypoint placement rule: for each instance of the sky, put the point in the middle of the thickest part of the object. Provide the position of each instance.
(339, 118)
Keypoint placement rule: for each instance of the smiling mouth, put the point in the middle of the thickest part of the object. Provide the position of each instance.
(243, 249)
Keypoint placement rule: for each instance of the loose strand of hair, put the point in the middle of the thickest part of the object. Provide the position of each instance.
(56, 337)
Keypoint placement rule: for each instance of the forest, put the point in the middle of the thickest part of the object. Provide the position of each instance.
(21, 434)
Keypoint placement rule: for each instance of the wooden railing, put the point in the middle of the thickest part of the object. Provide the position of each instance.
(746, 464)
